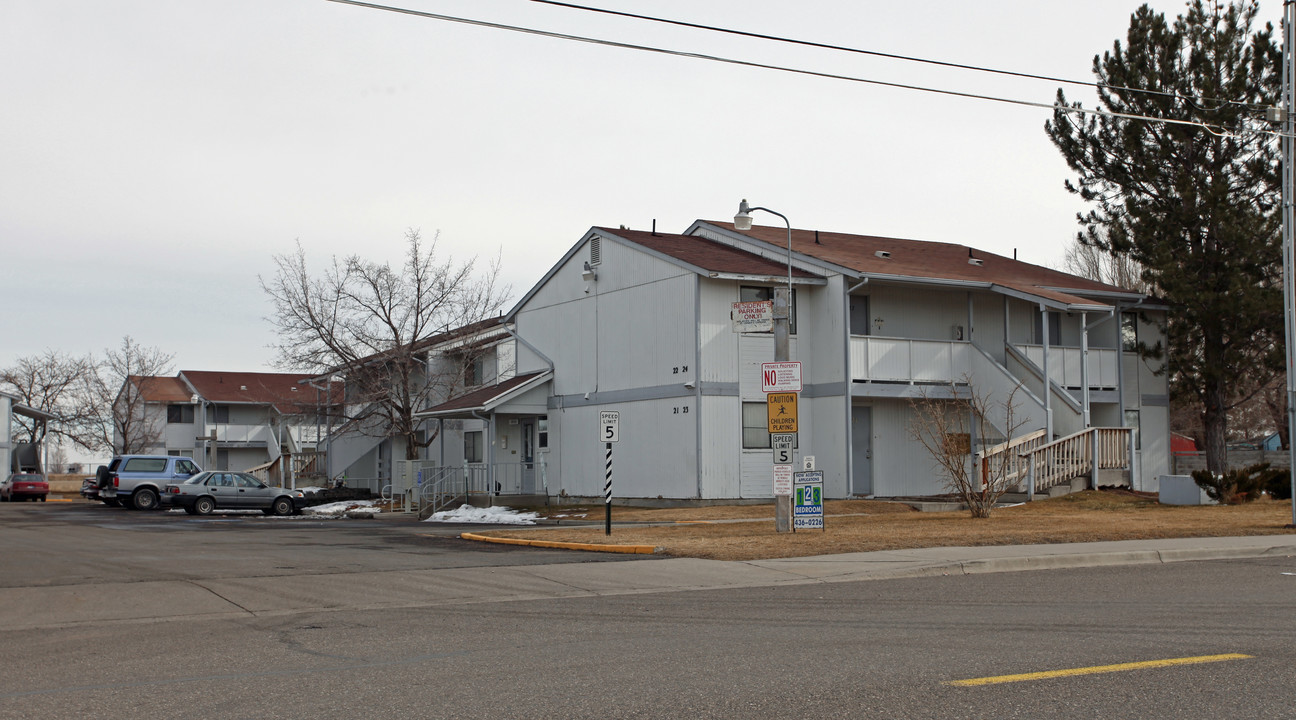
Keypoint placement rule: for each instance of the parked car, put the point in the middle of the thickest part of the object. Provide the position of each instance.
(137, 481)
(90, 487)
(24, 486)
(208, 491)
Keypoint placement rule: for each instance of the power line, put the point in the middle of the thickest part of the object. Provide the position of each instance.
(766, 66)
(890, 56)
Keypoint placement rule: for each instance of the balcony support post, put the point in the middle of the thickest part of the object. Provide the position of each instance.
(1084, 367)
(1048, 388)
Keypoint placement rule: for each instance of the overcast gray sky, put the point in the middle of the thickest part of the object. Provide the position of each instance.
(155, 154)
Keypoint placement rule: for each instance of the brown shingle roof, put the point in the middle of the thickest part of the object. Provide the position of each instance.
(157, 389)
(479, 398)
(708, 254)
(285, 391)
(930, 260)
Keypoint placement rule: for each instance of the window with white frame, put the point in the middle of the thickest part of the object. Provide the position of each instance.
(180, 414)
(473, 446)
(475, 371)
(755, 426)
(1129, 331)
(1132, 421)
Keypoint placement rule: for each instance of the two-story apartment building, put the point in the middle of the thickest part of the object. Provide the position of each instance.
(235, 420)
(364, 451)
(639, 322)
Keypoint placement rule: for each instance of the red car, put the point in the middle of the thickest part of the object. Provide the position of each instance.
(24, 486)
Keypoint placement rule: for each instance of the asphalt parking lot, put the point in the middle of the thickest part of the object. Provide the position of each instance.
(63, 543)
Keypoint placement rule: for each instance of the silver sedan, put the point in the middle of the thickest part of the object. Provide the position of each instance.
(215, 489)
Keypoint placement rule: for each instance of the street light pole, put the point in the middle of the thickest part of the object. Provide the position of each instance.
(782, 333)
(1289, 176)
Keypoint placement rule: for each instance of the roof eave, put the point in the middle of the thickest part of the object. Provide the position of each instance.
(781, 279)
(493, 402)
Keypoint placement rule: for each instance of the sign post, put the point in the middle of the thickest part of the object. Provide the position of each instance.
(609, 432)
(781, 381)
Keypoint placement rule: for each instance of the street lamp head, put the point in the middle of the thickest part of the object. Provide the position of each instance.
(743, 220)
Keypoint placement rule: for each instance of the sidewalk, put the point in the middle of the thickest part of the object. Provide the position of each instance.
(161, 601)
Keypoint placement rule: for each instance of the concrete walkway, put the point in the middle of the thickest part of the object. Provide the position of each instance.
(170, 600)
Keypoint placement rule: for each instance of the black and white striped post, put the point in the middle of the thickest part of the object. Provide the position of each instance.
(607, 494)
(609, 432)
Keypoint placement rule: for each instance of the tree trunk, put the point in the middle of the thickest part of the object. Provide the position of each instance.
(1215, 421)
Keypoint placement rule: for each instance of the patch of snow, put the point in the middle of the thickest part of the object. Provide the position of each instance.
(490, 515)
(341, 508)
(311, 489)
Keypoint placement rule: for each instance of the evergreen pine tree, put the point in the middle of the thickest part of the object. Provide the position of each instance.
(1196, 206)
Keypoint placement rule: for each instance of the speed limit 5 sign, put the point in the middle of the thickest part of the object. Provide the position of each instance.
(609, 426)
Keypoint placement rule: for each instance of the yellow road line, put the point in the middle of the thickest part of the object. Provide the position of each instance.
(1122, 667)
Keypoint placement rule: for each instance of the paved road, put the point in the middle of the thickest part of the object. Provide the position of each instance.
(630, 639)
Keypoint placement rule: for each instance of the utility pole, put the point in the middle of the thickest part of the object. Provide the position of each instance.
(782, 330)
(1288, 222)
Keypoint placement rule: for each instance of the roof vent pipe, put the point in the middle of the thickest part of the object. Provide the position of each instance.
(654, 227)
(817, 238)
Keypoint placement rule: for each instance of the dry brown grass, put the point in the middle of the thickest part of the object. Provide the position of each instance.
(864, 525)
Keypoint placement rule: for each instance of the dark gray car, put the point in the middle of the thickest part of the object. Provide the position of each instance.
(215, 489)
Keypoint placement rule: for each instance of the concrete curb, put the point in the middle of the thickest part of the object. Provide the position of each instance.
(1106, 559)
(591, 547)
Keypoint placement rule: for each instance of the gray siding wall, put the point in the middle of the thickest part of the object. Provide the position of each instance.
(920, 313)
(901, 465)
(630, 342)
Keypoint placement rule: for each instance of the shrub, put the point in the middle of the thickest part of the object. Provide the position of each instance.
(1239, 485)
(1279, 488)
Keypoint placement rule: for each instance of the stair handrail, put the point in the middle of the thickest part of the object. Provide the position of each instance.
(1016, 450)
(1072, 456)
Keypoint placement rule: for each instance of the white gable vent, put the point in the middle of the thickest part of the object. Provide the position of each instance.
(885, 255)
(596, 250)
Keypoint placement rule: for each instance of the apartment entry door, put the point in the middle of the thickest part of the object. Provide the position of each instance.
(862, 450)
(528, 457)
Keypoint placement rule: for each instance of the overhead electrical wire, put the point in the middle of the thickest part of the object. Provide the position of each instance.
(799, 71)
(890, 56)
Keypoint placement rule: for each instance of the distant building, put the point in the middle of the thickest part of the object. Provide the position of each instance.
(18, 456)
(268, 423)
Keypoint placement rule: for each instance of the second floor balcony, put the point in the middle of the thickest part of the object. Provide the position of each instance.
(242, 435)
(906, 360)
(884, 359)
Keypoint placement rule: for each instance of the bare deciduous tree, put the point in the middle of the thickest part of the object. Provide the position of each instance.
(51, 382)
(946, 428)
(369, 323)
(89, 397)
(117, 419)
(1090, 261)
